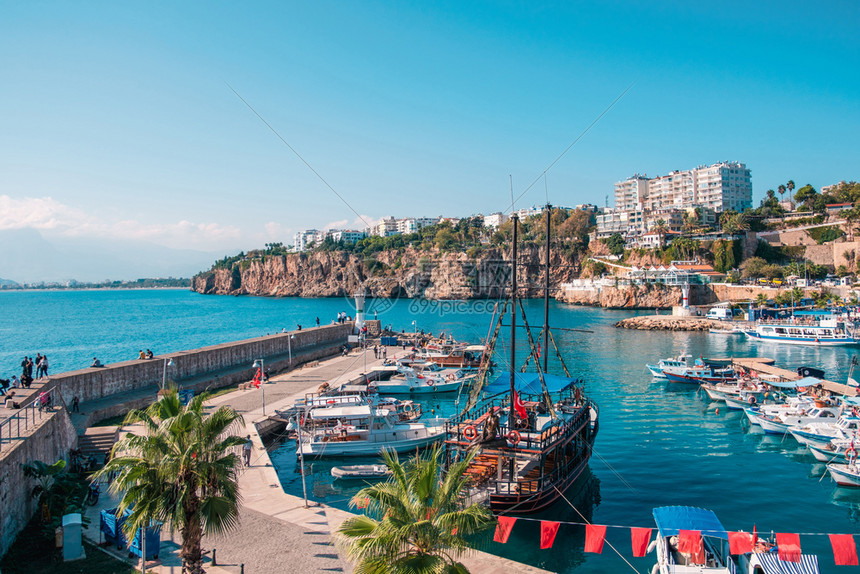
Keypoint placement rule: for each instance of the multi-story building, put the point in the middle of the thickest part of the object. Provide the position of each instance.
(346, 235)
(723, 186)
(630, 194)
(495, 220)
(304, 239)
(413, 224)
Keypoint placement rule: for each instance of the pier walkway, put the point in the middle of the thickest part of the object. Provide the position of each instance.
(276, 531)
(766, 366)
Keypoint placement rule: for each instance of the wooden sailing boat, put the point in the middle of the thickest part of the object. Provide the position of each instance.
(533, 431)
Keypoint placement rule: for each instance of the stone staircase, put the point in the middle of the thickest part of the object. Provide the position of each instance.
(97, 441)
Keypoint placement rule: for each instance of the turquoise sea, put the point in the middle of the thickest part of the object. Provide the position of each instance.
(659, 444)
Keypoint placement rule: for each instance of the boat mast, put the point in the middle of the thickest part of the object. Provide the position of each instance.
(546, 295)
(515, 220)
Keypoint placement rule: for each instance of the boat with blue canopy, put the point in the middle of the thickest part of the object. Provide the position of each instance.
(680, 552)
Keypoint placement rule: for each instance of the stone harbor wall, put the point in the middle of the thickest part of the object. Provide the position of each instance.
(667, 323)
(215, 366)
(50, 441)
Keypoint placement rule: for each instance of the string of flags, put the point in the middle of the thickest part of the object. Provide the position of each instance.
(689, 541)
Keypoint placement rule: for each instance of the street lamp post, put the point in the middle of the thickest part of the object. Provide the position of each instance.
(290, 348)
(167, 363)
(259, 364)
(301, 456)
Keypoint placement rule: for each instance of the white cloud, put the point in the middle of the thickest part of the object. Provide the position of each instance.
(46, 214)
(359, 223)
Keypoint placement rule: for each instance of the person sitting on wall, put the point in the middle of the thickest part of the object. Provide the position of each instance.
(96, 363)
(10, 401)
(141, 355)
(149, 354)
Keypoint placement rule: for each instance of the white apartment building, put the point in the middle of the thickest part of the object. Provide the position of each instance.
(346, 235)
(304, 239)
(386, 226)
(413, 224)
(721, 186)
(495, 220)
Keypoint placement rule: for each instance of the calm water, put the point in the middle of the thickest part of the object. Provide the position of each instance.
(658, 445)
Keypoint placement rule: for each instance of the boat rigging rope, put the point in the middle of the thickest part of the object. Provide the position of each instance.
(546, 396)
(589, 523)
(486, 362)
(558, 354)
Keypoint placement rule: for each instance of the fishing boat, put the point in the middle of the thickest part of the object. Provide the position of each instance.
(780, 423)
(677, 554)
(845, 427)
(699, 376)
(530, 434)
(837, 450)
(361, 472)
(827, 331)
(844, 474)
(452, 354)
(675, 364)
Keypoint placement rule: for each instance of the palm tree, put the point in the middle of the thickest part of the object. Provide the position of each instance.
(660, 228)
(781, 190)
(182, 472)
(790, 186)
(423, 522)
(761, 300)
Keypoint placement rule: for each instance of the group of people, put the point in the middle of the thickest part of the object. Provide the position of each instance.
(342, 317)
(380, 352)
(31, 369)
(147, 355)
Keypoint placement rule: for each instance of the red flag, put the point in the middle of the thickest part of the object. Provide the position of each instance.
(690, 542)
(844, 549)
(503, 528)
(257, 378)
(740, 542)
(519, 407)
(594, 538)
(548, 530)
(789, 546)
(538, 351)
(640, 538)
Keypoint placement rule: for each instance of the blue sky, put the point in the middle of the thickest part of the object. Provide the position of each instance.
(118, 122)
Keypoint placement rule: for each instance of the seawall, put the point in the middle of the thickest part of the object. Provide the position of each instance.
(50, 441)
(214, 366)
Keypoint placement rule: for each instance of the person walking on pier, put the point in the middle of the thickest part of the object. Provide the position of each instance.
(246, 451)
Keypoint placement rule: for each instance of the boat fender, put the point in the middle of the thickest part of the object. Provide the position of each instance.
(431, 383)
(514, 437)
(751, 400)
(407, 408)
(651, 548)
(470, 432)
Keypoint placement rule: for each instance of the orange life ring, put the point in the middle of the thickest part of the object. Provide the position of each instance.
(470, 432)
(514, 437)
(752, 400)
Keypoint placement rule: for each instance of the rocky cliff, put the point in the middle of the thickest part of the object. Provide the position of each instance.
(397, 273)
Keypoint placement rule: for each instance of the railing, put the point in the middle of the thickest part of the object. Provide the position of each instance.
(30, 414)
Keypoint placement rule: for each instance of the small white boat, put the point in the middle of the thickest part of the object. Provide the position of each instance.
(821, 433)
(424, 378)
(780, 423)
(834, 451)
(845, 474)
(725, 331)
(827, 332)
(361, 471)
(711, 557)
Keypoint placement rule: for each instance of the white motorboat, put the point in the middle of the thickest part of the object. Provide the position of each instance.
(836, 450)
(845, 474)
(361, 472)
(709, 555)
(780, 423)
(677, 364)
(360, 430)
(845, 427)
(424, 378)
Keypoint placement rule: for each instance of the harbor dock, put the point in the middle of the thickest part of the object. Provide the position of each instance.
(766, 366)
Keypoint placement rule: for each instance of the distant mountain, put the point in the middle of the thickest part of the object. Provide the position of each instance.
(7, 282)
(28, 257)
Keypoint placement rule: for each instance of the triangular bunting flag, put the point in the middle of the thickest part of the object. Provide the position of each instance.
(503, 528)
(594, 538)
(640, 537)
(844, 550)
(789, 546)
(740, 542)
(690, 542)
(548, 530)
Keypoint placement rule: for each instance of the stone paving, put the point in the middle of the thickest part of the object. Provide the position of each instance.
(276, 531)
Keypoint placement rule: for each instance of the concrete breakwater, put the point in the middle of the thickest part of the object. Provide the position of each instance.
(208, 367)
(666, 323)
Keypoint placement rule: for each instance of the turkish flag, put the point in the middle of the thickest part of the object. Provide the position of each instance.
(594, 537)
(548, 530)
(740, 542)
(640, 538)
(519, 407)
(503, 528)
(690, 542)
(789, 546)
(844, 549)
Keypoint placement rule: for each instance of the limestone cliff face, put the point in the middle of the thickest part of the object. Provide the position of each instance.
(397, 273)
(636, 296)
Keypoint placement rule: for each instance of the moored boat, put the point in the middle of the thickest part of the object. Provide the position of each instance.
(846, 427)
(844, 474)
(827, 331)
(360, 471)
(677, 553)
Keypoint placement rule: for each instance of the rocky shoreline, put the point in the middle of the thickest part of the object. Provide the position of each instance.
(666, 323)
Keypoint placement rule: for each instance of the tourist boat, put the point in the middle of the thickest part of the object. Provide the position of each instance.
(780, 423)
(361, 472)
(674, 365)
(531, 434)
(711, 556)
(362, 430)
(844, 474)
(821, 433)
(827, 332)
(452, 354)
(424, 377)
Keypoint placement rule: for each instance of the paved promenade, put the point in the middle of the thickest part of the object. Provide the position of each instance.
(276, 532)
